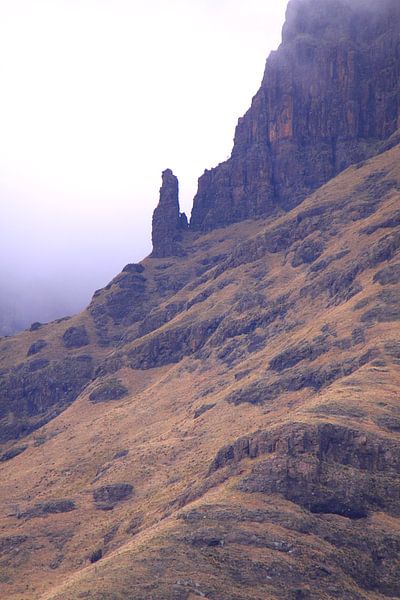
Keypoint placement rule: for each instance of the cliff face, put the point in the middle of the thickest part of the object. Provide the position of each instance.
(329, 96)
(223, 421)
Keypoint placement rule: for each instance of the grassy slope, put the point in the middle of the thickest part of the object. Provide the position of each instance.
(158, 548)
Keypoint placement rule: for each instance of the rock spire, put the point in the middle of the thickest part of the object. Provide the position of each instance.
(168, 221)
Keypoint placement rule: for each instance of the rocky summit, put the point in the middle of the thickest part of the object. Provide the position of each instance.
(223, 420)
(329, 98)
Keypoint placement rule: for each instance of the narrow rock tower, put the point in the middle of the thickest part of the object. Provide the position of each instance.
(168, 221)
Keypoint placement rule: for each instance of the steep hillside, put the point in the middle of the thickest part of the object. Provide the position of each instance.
(243, 439)
(223, 420)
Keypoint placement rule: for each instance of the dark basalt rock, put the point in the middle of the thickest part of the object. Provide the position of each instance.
(127, 302)
(135, 525)
(386, 308)
(12, 453)
(358, 336)
(388, 223)
(172, 345)
(43, 509)
(126, 306)
(382, 314)
(120, 454)
(159, 317)
(392, 348)
(298, 378)
(35, 326)
(326, 468)
(37, 364)
(388, 276)
(234, 327)
(110, 535)
(168, 222)
(202, 409)
(383, 249)
(107, 496)
(329, 97)
(340, 284)
(34, 393)
(75, 337)
(307, 252)
(305, 351)
(96, 555)
(109, 390)
(324, 263)
(389, 422)
(36, 347)
(333, 443)
(133, 268)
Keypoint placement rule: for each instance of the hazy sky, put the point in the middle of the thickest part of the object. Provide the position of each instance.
(97, 98)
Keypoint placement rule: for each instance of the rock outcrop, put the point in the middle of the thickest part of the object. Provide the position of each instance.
(33, 392)
(168, 221)
(223, 420)
(329, 97)
(107, 496)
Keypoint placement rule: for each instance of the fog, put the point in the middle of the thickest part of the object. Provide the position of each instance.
(99, 97)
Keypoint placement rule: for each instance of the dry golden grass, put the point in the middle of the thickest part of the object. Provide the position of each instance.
(169, 452)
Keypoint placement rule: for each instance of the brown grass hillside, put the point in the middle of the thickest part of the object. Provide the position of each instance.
(248, 394)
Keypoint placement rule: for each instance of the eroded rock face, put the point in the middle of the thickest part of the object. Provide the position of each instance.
(326, 468)
(172, 345)
(168, 222)
(48, 508)
(125, 301)
(36, 347)
(38, 390)
(107, 496)
(112, 389)
(329, 97)
(76, 337)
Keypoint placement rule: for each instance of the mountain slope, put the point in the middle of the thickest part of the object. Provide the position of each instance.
(259, 430)
(223, 420)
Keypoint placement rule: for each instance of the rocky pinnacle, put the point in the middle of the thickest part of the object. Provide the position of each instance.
(168, 222)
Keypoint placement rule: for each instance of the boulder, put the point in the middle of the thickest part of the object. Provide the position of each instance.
(75, 337)
(36, 347)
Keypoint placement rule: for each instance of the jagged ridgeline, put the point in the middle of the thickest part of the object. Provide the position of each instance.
(223, 420)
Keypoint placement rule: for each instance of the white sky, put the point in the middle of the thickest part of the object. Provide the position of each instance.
(97, 98)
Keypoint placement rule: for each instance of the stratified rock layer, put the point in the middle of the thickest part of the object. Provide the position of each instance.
(329, 97)
(168, 222)
(224, 424)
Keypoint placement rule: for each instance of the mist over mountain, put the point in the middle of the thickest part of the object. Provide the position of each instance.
(88, 126)
(222, 420)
